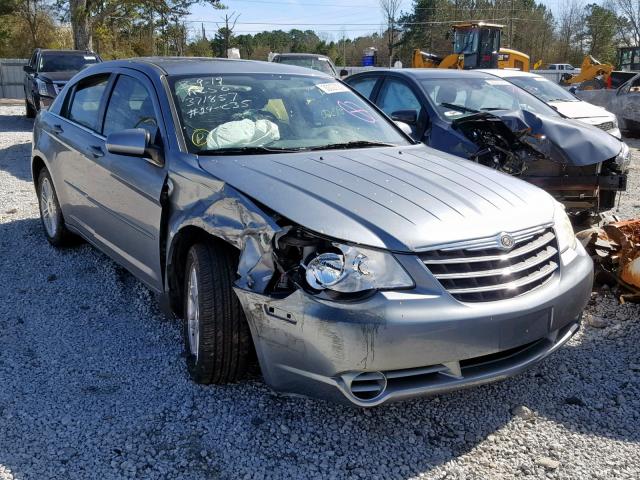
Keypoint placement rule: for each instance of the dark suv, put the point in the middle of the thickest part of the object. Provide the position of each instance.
(47, 73)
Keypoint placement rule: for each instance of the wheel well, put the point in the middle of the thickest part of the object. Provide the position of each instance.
(183, 241)
(36, 165)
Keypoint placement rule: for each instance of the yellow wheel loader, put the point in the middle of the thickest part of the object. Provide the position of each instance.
(475, 45)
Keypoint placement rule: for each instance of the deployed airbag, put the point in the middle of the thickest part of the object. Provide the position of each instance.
(243, 133)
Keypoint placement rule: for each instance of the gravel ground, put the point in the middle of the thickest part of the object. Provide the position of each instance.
(93, 385)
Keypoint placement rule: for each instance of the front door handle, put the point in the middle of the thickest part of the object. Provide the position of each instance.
(57, 128)
(96, 151)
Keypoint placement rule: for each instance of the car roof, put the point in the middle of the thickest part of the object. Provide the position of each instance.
(209, 66)
(504, 73)
(423, 73)
(67, 52)
(303, 55)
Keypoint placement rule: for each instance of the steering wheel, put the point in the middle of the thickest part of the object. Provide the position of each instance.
(150, 121)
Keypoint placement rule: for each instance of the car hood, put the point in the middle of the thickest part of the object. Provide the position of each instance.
(56, 76)
(563, 140)
(407, 199)
(580, 110)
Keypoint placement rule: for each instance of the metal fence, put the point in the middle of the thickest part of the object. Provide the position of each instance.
(11, 77)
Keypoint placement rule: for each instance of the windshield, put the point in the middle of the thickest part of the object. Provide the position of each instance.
(316, 63)
(275, 112)
(544, 89)
(64, 62)
(457, 97)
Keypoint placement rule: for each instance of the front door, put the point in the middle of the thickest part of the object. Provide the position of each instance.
(128, 188)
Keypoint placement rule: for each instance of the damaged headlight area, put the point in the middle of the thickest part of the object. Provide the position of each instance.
(564, 229)
(623, 159)
(319, 265)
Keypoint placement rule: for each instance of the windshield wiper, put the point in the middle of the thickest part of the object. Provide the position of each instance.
(460, 108)
(245, 151)
(353, 144)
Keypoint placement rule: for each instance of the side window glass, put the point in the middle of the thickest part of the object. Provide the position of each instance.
(85, 104)
(396, 96)
(130, 106)
(364, 86)
(32, 61)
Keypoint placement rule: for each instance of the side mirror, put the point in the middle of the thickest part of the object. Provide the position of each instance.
(573, 89)
(135, 142)
(405, 127)
(409, 117)
(344, 73)
(27, 68)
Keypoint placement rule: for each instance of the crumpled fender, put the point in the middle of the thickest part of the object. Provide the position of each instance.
(560, 139)
(231, 216)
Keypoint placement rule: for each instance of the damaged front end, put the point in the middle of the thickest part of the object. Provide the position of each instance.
(582, 167)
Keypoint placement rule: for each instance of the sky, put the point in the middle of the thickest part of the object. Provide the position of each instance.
(332, 17)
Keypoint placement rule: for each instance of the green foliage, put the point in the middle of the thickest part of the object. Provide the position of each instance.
(600, 29)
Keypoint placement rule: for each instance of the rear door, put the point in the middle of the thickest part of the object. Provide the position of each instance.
(128, 189)
(365, 85)
(76, 131)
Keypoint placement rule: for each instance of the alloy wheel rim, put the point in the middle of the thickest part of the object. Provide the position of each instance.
(48, 208)
(193, 313)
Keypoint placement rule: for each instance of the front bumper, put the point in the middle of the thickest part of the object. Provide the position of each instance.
(402, 344)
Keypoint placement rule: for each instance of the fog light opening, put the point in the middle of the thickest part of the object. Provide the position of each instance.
(368, 385)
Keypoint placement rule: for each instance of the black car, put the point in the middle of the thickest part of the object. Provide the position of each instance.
(47, 73)
(490, 121)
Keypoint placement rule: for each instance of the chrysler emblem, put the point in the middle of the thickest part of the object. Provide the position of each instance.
(506, 241)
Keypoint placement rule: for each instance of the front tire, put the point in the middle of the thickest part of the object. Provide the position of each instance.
(216, 333)
(29, 110)
(53, 224)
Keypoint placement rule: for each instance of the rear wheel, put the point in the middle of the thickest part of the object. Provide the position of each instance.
(50, 213)
(215, 330)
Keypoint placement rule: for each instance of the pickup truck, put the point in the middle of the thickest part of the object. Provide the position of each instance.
(47, 73)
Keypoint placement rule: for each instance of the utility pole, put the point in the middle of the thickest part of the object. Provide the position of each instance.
(511, 26)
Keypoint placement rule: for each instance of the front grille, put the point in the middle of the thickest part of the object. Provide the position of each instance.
(482, 272)
(606, 126)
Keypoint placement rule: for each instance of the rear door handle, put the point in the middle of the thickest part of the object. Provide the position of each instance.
(57, 128)
(96, 151)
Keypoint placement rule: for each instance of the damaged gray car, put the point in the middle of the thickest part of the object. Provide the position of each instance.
(281, 215)
(490, 121)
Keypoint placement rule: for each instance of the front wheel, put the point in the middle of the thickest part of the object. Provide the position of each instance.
(29, 110)
(215, 330)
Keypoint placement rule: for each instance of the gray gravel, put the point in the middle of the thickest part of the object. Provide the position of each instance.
(93, 385)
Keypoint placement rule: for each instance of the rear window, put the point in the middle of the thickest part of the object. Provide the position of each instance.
(320, 64)
(65, 62)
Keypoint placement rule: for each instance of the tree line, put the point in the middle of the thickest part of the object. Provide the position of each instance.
(125, 28)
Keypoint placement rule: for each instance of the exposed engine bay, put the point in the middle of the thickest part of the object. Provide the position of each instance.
(498, 146)
(535, 157)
